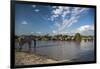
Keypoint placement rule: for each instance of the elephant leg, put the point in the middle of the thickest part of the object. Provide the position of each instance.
(20, 46)
(29, 43)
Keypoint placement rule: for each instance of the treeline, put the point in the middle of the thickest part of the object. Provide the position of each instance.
(76, 37)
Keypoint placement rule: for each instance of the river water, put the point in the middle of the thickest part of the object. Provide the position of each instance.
(64, 50)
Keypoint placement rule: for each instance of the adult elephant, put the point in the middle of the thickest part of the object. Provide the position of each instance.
(23, 40)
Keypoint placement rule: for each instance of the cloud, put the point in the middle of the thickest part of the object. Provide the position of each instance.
(53, 31)
(59, 10)
(85, 28)
(38, 32)
(24, 22)
(33, 6)
(32, 32)
(65, 13)
(53, 16)
(78, 11)
(67, 23)
(36, 10)
(72, 12)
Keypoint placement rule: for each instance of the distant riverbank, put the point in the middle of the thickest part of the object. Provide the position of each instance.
(25, 58)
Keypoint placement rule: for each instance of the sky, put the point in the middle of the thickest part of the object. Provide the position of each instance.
(46, 19)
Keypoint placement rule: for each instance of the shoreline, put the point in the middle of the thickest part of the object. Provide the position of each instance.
(25, 58)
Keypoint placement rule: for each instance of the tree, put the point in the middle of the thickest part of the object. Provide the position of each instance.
(77, 37)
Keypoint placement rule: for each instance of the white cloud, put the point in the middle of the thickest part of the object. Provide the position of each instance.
(36, 10)
(59, 11)
(65, 13)
(63, 32)
(84, 9)
(53, 16)
(24, 22)
(32, 32)
(38, 32)
(33, 6)
(78, 10)
(68, 22)
(66, 10)
(85, 28)
(57, 24)
(53, 31)
(56, 13)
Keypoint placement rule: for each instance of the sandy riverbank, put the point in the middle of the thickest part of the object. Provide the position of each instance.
(25, 58)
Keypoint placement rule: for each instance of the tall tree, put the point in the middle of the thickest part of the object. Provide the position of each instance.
(77, 37)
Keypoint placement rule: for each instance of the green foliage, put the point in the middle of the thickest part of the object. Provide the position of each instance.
(77, 37)
(65, 37)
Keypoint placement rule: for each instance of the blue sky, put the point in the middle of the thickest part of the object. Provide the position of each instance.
(39, 19)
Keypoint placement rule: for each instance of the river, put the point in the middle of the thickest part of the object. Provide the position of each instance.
(64, 50)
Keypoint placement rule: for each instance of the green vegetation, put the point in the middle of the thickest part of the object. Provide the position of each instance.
(76, 37)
